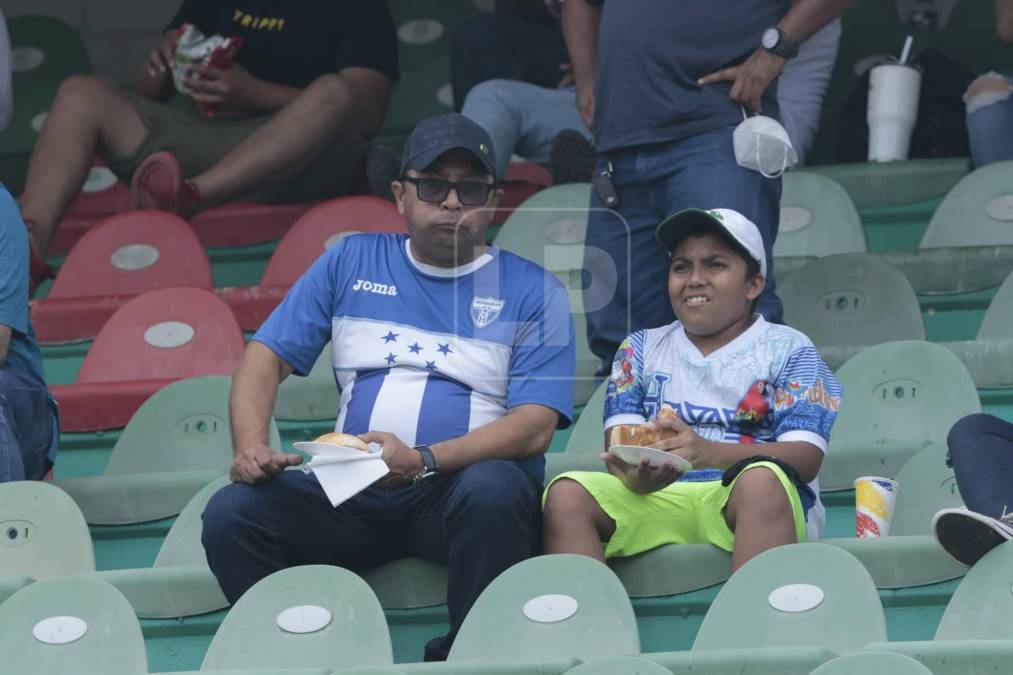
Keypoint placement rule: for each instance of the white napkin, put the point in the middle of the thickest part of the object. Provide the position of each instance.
(343, 472)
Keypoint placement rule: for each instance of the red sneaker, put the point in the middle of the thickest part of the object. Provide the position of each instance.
(158, 184)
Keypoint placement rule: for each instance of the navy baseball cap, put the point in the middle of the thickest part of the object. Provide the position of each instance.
(436, 135)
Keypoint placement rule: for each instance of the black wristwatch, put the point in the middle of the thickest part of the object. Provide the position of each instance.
(430, 467)
(775, 42)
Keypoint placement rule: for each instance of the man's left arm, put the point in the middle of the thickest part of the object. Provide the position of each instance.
(754, 75)
(5, 342)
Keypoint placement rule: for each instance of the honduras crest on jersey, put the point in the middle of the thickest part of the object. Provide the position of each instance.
(485, 310)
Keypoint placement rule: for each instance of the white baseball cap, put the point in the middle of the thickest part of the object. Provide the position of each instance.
(742, 230)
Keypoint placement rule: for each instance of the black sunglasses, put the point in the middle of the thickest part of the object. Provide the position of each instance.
(435, 190)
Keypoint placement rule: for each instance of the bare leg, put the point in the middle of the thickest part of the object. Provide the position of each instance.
(573, 522)
(759, 514)
(87, 112)
(283, 145)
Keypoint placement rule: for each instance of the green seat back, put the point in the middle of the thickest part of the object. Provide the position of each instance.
(42, 532)
(622, 665)
(310, 398)
(250, 635)
(851, 299)
(178, 441)
(182, 545)
(649, 574)
(898, 398)
(926, 485)
(952, 657)
(817, 218)
(997, 324)
(502, 620)
(901, 561)
(111, 644)
(982, 606)
(989, 358)
(978, 211)
(586, 441)
(872, 663)
(408, 583)
(549, 229)
(746, 612)
(884, 184)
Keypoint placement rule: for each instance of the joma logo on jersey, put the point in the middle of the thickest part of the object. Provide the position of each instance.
(373, 287)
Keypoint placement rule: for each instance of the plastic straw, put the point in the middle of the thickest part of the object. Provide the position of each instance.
(906, 51)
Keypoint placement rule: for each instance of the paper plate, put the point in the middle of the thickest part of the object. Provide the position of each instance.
(333, 452)
(632, 454)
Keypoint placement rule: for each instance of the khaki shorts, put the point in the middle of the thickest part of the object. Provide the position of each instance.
(200, 142)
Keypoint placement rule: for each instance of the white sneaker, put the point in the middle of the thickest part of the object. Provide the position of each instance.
(967, 536)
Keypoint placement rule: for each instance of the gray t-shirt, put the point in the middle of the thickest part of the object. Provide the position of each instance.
(650, 54)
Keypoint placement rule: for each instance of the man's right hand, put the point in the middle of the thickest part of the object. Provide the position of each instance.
(259, 463)
(161, 58)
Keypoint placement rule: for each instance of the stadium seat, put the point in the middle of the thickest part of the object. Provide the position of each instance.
(901, 561)
(101, 196)
(649, 574)
(408, 583)
(982, 606)
(849, 300)
(769, 661)
(246, 223)
(313, 616)
(621, 665)
(179, 583)
(989, 358)
(155, 339)
(818, 218)
(313, 233)
(43, 535)
(978, 211)
(884, 184)
(556, 606)
(872, 663)
(311, 398)
(947, 271)
(549, 229)
(956, 657)
(117, 259)
(586, 442)
(899, 398)
(926, 485)
(177, 442)
(71, 626)
(518, 665)
(800, 595)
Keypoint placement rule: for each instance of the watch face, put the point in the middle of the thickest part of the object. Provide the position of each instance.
(770, 38)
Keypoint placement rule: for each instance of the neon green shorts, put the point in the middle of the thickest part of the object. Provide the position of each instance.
(683, 513)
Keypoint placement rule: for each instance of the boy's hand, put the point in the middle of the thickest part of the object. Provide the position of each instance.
(642, 478)
(232, 88)
(161, 58)
(686, 443)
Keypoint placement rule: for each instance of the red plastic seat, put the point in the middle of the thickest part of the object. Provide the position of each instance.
(522, 180)
(119, 258)
(246, 223)
(155, 339)
(308, 238)
(102, 195)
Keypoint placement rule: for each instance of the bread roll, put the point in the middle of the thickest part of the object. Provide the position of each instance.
(642, 434)
(344, 440)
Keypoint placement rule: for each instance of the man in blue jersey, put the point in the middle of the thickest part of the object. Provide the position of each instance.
(456, 357)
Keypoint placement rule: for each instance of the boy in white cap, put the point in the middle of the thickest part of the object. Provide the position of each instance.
(755, 405)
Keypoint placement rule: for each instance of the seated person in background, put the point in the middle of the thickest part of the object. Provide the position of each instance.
(455, 357)
(518, 40)
(989, 103)
(755, 406)
(981, 454)
(29, 429)
(308, 86)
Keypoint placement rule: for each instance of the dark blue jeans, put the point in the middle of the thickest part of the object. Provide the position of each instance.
(490, 46)
(478, 522)
(27, 426)
(981, 451)
(628, 268)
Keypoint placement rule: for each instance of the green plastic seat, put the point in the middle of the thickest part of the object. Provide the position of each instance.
(408, 583)
(343, 623)
(549, 229)
(310, 398)
(492, 666)
(42, 532)
(872, 663)
(942, 271)
(586, 442)
(978, 211)
(926, 486)
(767, 661)
(800, 595)
(884, 184)
(37, 618)
(622, 665)
(982, 606)
(901, 561)
(851, 299)
(674, 569)
(989, 358)
(898, 398)
(179, 583)
(552, 606)
(177, 442)
(818, 218)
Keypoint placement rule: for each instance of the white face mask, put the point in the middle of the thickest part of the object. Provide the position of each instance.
(762, 144)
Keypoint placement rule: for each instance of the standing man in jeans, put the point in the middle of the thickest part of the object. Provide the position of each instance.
(663, 84)
(28, 422)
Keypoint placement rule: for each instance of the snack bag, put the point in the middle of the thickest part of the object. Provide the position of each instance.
(195, 47)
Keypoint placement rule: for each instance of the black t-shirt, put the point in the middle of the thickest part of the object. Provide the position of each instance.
(293, 42)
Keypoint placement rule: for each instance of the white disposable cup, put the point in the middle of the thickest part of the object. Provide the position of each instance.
(892, 110)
